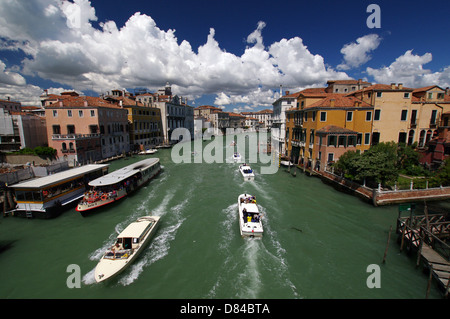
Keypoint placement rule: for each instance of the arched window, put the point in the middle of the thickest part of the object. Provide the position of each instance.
(422, 138)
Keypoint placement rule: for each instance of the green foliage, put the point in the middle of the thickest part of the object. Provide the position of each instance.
(44, 152)
(442, 176)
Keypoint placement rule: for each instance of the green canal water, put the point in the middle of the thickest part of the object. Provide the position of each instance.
(318, 242)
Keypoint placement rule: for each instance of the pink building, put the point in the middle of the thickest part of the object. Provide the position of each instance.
(85, 129)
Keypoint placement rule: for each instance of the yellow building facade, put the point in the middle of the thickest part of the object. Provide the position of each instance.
(322, 131)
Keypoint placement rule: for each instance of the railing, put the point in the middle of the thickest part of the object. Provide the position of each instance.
(73, 136)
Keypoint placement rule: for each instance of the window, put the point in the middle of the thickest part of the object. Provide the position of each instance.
(377, 114)
(55, 113)
(375, 138)
(440, 96)
(359, 139)
(80, 113)
(56, 129)
(433, 117)
(341, 140)
(369, 116)
(366, 138)
(330, 157)
(313, 116)
(306, 116)
(323, 116)
(331, 140)
(402, 137)
(349, 116)
(430, 95)
(404, 115)
(70, 129)
(406, 95)
(93, 113)
(413, 117)
(351, 140)
(379, 94)
(69, 113)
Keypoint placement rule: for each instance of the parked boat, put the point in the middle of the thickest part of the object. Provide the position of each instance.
(250, 224)
(148, 152)
(247, 172)
(236, 157)
(286, 163)
(118, 184)
(47, 197)
(130, 243)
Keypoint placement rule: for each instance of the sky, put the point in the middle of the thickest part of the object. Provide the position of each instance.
(231, 54)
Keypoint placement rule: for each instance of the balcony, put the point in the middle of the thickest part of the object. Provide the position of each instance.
(74, 136)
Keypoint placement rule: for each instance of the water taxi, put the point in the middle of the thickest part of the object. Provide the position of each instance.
(247, 172)
(236, 157)
(249, 217)
(118, 184)
(130, 243)
(48, 196)
(148, 152)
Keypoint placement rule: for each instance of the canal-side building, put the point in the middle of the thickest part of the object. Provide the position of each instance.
(144, 121)
(392, 114)
(263, 117)
(320, 132)
(438, 149)
(85, 129)
(428, 106)
(280, 106)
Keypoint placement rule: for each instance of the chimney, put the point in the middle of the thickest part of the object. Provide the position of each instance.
(393, 86)
(281, 90)
(400, 86)
(332, 102)
(287, 92)
(85, 103)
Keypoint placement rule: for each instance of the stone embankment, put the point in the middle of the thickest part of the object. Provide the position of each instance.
(384, 197)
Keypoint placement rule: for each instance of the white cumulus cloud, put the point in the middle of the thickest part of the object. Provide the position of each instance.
(357, 53)
(408, 69)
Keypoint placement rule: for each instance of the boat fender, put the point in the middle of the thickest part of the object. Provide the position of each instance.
(104, 197)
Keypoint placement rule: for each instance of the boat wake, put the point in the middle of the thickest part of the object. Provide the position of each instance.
(253, 260)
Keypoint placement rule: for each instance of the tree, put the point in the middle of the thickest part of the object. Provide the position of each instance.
(347, 164)
(442, 177)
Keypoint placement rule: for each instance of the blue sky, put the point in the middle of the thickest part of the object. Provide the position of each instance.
(232, 54)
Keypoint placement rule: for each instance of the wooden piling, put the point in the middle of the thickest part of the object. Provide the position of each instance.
(403, 236)
(387, 245)
(429, 281)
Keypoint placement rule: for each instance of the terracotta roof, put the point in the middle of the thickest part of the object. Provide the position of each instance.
(426, 88)
(339, 100)
(333, 129)
(81, 101)
(203, 107)
(382, 87)
(344, 82)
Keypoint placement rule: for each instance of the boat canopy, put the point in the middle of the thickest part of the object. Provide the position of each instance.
(123, 173)
(135, 229)
(60, 177)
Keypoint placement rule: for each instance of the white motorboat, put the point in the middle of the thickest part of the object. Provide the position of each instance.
(286, 163)
(148, 152)
(247, 172)
(130, 243)
(236, 157)
(249, 217)
(118, 184)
